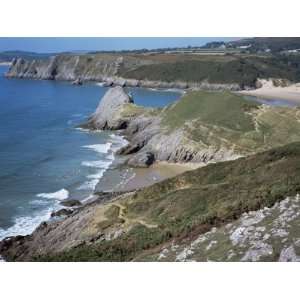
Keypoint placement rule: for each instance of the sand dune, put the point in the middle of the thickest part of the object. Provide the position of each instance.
(269, 91)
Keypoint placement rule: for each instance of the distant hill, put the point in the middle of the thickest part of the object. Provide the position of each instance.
(274, 44)
(9, 55)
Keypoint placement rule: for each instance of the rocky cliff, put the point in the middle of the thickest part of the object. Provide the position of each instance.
(161, 70)
(112, 69)
(110, 113)
(65, 67)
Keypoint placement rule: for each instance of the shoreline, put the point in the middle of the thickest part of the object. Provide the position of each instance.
(136, 178)
(159, 171)
(83, 197)
(269, 92)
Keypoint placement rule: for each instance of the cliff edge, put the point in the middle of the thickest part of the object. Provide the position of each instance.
(110, 111)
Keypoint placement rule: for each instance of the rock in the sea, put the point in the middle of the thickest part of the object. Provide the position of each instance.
(109, 112)
(61, 212)
(78, 81)
(71, 203)
(142, 160)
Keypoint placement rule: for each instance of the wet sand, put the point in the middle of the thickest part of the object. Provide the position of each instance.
(141, 177)
(268, 91)
(124, 178)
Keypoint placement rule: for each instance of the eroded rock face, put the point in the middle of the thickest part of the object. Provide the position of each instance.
(62, 212)
(103, 68)
(71, 203)
(78, 228)
(142, 160)
(109, 112)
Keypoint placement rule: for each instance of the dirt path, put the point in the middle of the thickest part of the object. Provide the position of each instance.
(128, 221)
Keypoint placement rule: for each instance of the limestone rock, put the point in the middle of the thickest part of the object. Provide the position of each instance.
(109, 112)
(142, 160)
(61, 212)
(78, 81)
(71, 203)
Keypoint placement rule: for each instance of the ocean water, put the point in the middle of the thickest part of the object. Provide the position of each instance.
(44, 159)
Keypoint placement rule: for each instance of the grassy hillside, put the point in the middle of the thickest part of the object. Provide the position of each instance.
(243, 70)
(212, 108)
(226, 120)
(9, 55)
(189, 204)
(275, 44)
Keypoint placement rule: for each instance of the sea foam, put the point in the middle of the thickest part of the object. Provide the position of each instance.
(24, 225)
(100, 148)
(58, 195)
(101, 166)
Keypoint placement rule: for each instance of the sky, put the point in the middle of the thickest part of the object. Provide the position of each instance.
(61, 44)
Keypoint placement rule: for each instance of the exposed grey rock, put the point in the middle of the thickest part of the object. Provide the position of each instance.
(70, 203)
(103, 68)
(78, 81)
(109, 112)
(61, 212)
(258, 250)
(142, 159)
(288, 254)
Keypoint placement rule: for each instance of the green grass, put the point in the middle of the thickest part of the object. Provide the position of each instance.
(193, 202)
(226, 120)
(218, 108)
(240, 70)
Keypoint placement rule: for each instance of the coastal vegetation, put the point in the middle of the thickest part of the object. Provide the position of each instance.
(207, 126)
(243, 70)
(192, 203)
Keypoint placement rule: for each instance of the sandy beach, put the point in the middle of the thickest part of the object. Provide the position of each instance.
(124, 178)
(141, 177)
(269, 91)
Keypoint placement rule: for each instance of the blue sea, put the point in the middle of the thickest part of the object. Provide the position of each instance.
(44, 159)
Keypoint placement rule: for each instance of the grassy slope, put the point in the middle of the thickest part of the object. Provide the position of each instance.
(275, 44)
(195, 201)
(223, 119)
(239, 69)
(212, 108)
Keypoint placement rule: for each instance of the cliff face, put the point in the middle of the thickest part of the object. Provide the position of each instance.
(161, 70)
(109, 113)
(65, 67)
(104, 68)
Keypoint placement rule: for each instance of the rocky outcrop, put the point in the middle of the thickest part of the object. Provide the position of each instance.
(65, 67)
(109, 113)
(70, 203)
(142, 159)
(61, 213)
(78, 81)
